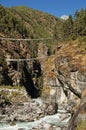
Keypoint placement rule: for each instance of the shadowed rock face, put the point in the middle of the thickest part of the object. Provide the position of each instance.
(29, 84)
(18, 73)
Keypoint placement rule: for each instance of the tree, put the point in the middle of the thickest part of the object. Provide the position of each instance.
(2, 11)
(68, 27)
(80, 23)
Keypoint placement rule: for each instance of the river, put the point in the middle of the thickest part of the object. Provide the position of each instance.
(60, 119)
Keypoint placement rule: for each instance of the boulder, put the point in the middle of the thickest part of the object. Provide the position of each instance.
(51, 108)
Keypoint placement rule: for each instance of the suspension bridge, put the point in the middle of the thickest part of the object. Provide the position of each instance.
(14, 39)
(20, 40)
(30, 59)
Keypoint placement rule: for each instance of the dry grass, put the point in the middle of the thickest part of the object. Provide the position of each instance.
(74, 52)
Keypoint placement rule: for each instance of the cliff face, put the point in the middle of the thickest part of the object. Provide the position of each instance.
(68, 65)
(65, 80)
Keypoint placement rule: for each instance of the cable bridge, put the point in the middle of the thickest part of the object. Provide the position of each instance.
(24, 60)
(15, 39)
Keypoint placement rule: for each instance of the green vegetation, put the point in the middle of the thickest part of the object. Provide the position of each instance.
(12, 87)
(2, 61)
(68, 28)
(1, 58)
(7, 100)
(81, 125)
(40, 84)
(27, 23)
(10, 25)
(13, 94)
(75, 27)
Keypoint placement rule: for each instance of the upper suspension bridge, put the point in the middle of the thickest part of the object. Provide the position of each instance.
(14, 39)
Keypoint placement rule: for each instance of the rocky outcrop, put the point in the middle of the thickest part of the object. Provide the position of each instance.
(65, 80)
(42, 50)
(16, 105)
(78, 121)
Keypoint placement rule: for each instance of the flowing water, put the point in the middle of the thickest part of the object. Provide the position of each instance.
(55, 120)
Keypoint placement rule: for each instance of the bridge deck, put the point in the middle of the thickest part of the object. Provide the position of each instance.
(14, 39)
(30, 59)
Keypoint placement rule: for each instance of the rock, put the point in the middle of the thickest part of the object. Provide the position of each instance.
(42, 50)
(78, 120)
(27, 111)
(56, 128)
(12, 124)
(21, 129)
(46, 126)
(51, 108)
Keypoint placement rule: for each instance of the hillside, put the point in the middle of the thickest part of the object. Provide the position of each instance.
(28, 23)
(38, 24)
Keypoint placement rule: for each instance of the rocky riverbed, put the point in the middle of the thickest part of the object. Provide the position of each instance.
(33, 115)
(27, 111)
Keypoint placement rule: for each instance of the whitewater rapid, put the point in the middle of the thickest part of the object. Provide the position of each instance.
(61, 118)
